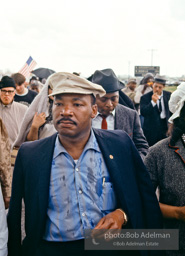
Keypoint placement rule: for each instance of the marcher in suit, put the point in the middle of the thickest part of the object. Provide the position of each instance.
(78, 179)
(154, 107)
(123, 98)
(114, 116)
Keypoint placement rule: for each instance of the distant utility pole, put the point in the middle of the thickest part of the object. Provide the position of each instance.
(128, 70)
(152, 50)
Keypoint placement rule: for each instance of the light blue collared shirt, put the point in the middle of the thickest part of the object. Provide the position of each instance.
(80, 193)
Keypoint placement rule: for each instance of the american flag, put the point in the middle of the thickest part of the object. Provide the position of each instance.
(28, 67)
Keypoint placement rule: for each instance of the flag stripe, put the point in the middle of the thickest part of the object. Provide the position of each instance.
(28, 67)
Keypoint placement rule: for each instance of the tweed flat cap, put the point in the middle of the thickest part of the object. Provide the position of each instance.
(63, 82)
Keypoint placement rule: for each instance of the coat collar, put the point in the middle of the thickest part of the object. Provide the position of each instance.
(179, 149)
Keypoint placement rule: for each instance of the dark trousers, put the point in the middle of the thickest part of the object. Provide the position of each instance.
(75, 248)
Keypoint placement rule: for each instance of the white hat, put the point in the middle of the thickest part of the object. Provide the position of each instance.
(178, 108)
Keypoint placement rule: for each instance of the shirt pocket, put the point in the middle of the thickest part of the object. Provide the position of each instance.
(108, 198)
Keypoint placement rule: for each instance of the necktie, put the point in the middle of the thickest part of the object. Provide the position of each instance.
(160, 106)
(104, 123)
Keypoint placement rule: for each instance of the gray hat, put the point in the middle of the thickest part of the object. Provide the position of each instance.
(63, 82)
(107, 79)
(160, 79)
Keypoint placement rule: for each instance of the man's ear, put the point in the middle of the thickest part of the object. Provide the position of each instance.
(94, 110)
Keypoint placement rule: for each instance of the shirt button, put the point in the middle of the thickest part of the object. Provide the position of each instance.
(83, 214)
(80, 191)
(77, 169)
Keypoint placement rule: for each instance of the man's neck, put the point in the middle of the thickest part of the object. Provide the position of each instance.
(74, 146)
(23, 93)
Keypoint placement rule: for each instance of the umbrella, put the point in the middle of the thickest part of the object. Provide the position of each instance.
(43, 72)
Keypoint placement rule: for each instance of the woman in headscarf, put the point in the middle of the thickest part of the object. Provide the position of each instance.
(166, 165)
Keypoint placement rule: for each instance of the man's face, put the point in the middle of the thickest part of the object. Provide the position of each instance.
(72, 114)
(107, 103)
(132, 86)
(158, 88)
(34, 88)
(20, 88)
(7, 95)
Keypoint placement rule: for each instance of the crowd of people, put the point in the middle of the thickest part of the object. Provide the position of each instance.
(89, 153)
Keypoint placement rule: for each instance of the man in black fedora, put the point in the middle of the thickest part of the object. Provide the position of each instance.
(114, 116)
(154, 107)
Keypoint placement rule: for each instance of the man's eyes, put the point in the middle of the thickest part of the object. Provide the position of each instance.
(78, 104)
(112, 99)
(74, 104)
(58, 104)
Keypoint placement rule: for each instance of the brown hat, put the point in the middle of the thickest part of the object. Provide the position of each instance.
(63, 82)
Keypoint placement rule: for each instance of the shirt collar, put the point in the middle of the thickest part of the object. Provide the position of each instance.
(7, 106)
(25, 92)
(112, 113)
(91, 144)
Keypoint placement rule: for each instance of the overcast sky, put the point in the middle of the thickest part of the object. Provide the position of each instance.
(86, 35)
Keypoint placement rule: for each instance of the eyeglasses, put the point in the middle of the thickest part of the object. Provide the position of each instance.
(7, 92)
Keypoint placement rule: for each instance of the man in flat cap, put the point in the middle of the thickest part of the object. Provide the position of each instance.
(79, 178)
(114, 116)
(155, 110)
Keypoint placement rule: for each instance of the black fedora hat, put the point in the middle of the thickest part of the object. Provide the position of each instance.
(7, 81)
(107, 79)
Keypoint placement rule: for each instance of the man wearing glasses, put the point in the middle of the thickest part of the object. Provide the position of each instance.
(11, 112)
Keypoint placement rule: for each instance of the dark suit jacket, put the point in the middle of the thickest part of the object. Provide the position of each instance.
(127, 119)
(152, 122)
(31, 181)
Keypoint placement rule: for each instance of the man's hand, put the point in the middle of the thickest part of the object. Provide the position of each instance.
(155, 97)
(113, 220)
(39, 120)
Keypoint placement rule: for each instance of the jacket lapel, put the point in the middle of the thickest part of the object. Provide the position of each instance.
(165, 98)
(44, 168)
(119, 119)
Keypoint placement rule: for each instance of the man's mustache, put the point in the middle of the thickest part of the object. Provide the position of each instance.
(66, 119)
